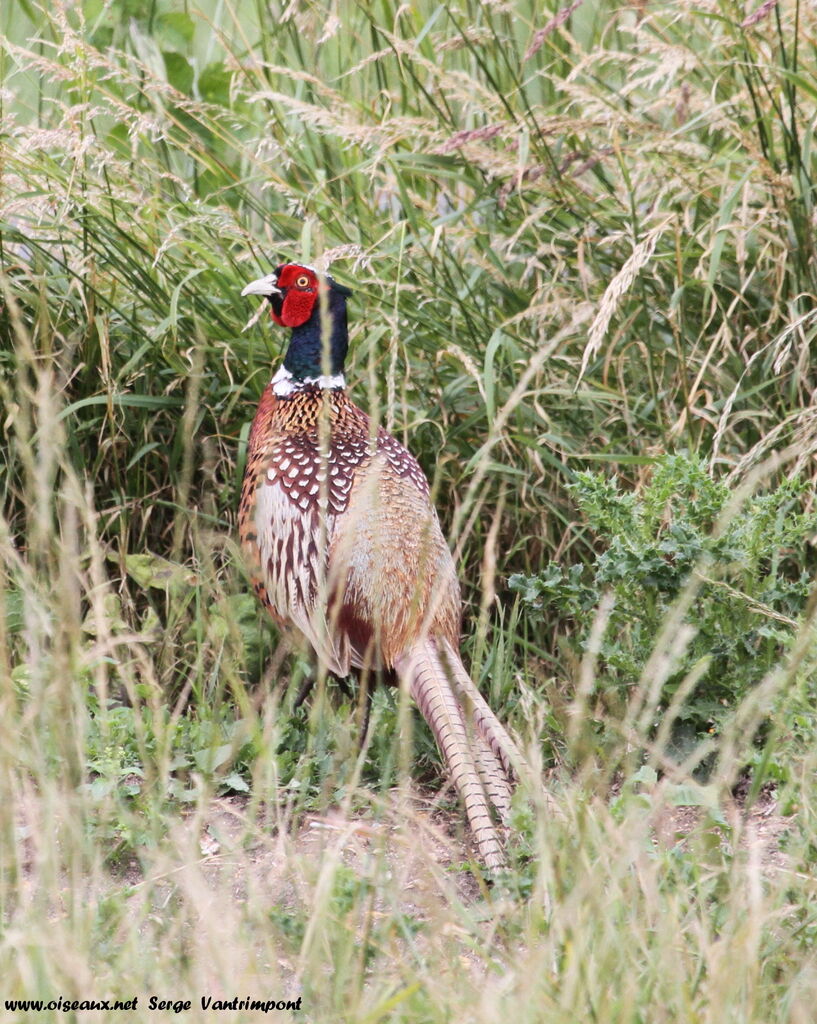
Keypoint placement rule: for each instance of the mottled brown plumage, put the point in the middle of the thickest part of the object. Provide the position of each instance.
(345, 547)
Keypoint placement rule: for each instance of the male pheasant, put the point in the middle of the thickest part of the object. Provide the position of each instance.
(344, 545)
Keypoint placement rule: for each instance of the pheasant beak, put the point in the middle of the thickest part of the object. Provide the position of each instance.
(263, 286)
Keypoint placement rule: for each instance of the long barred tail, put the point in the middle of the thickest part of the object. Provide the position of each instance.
(490, 728)
(477, 750)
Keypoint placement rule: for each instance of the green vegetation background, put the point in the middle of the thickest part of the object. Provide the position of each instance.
(582, 246)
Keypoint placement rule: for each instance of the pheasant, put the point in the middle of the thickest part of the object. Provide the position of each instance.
(344, 546)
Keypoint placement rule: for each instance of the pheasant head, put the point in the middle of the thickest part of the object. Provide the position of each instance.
(320, 339)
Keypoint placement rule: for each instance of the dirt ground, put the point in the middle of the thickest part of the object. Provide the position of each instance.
(433, 851)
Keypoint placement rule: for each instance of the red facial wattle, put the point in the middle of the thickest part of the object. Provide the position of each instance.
(299, 288)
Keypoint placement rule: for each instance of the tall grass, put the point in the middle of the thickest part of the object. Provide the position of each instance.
(575, 237)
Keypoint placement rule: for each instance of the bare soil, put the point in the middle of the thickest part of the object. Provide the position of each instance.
(434, 851)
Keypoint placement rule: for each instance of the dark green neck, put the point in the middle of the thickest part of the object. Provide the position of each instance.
(305, 355)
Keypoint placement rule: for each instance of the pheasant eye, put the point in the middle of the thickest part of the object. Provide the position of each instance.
(302, 281)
